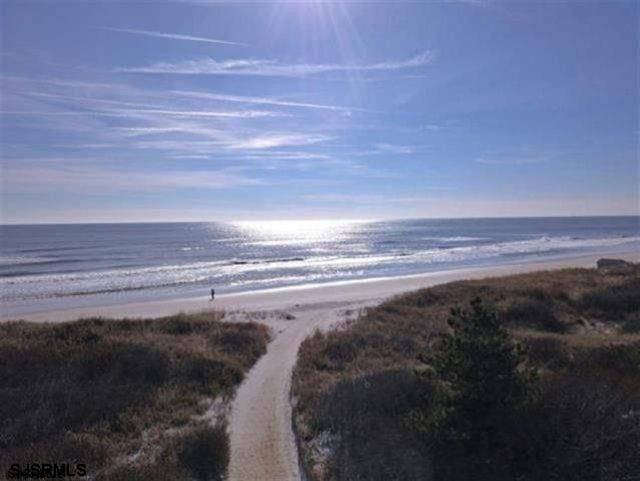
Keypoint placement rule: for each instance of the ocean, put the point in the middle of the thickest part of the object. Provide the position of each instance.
(46, 267)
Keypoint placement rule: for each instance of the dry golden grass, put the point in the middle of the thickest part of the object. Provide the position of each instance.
(119, 393)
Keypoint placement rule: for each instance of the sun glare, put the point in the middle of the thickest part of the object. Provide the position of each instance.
(312, 230)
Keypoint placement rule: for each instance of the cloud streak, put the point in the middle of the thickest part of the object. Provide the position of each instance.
(251, 142)
(272, 68)
(260, 101)
(272, 140)
(172, 36)
(511, 160)
(86, 180)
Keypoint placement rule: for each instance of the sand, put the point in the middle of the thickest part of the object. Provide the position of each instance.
(367, 290)
(262, 442)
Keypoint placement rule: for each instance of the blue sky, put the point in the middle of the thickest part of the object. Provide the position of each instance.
(196, 110)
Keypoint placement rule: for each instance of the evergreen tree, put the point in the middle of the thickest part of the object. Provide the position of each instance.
(481, 368)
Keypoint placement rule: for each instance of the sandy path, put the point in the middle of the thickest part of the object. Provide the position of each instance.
(262, 442)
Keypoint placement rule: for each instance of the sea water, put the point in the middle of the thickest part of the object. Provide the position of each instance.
(60, 266)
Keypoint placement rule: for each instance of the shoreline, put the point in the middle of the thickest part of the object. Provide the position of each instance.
(293, 297)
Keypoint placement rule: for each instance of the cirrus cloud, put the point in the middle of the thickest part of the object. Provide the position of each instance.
(272, 68)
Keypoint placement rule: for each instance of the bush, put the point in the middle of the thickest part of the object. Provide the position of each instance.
(208, 375)
(534, 313)
(92, 390)
(240, 342)
(581, 428)
(204, 453)
(482, 370)
(548, 352)
(122, 363)
(631, 324)
(614, 302)
(478, 414)
(610, 360)
(131, 472)
(370, 417)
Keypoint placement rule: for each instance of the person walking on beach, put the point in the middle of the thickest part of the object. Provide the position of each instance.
(213, 294)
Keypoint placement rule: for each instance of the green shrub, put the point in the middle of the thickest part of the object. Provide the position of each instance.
(481, 367)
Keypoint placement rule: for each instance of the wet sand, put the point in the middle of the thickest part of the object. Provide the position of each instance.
(367, 290)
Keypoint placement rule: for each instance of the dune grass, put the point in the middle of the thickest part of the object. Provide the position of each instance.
(367, 395)
(131, 399)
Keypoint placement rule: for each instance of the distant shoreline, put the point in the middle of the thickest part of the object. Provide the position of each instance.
(359, 291)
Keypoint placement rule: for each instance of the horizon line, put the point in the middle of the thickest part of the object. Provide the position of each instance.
(327, 219)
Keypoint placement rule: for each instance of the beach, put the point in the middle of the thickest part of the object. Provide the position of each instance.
(169, 267)
(358, 292)
(262, 442)
(320, 241)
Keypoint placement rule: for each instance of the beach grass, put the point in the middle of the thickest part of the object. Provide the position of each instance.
(130, 399)
(369, 396)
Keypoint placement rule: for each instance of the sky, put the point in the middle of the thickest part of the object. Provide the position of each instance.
(212, 110)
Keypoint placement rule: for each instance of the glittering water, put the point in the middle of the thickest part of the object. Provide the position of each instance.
(57, 266)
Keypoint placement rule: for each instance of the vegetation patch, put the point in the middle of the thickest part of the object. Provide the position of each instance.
(527, 377)
(130, 399)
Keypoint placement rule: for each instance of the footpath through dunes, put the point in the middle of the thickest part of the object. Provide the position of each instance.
(263, 446)
(262, 442)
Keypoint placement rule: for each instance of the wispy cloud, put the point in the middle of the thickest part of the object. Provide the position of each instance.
(90, 103)
(272, 140)
(394, 149)
(172, 36)
(511, 160)
(263, 141)
(79, 179)
(127, 125)
(272, 68)
(383, 148)
(245, 114)
(260, 100)
(367, 199)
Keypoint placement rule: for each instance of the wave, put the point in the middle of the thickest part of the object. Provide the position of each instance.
(22, 260)
(456, 239)
(268, 261)
(541, 245)
(282, 270)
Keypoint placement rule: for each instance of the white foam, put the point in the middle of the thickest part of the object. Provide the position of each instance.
(285, 270)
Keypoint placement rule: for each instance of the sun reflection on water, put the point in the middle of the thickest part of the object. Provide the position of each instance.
(299, 231)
